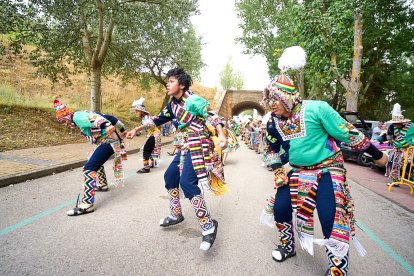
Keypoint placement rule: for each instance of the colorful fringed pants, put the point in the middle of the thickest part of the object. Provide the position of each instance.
(93, 169)
(188, 182)
(325, 205)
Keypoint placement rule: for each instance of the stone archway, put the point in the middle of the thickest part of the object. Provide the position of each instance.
(233, 102)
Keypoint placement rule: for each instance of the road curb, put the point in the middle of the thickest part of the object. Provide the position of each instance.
(22, 177)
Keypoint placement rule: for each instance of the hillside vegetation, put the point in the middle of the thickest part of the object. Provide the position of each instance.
(26, 104)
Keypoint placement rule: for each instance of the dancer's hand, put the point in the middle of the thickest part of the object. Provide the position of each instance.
(222, 141)
(130, 134)
(280, 177)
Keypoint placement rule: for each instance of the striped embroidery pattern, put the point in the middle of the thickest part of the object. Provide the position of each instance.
(196, 138)
(303, 190)
(184, 117)
(196, 153)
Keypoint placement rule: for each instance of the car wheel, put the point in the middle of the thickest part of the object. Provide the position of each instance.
(363, 160)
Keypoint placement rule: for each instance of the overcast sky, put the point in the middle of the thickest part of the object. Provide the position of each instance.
(218, 26)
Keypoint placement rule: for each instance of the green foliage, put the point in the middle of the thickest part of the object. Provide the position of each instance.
(247, 112)
(230, 78)
(238, 80)
(158, 41)
(325, 30)
(226, 76)
(127, 38)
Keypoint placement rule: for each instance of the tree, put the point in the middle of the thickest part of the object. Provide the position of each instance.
(101, 37)
(229, 78)
(325, 30)
(238, 80)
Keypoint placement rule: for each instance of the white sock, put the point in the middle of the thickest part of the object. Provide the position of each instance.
(205, 246)
(277, 255)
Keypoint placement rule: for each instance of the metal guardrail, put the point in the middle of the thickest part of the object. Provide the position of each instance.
(407, 171)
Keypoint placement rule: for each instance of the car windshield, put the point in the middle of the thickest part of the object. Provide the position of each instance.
(352, 119)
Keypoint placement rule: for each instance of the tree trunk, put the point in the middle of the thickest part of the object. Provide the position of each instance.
(95, 88)
(300, 83)
(354, 84)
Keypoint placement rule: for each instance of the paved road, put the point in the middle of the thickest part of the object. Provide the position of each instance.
(122, 236)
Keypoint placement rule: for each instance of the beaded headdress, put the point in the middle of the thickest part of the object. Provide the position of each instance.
(281, 87)
(62, 112)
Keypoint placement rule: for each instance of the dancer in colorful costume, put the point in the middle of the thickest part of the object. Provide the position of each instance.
(196, 161)
(318, 177)
(402, 138)
(232, 144)
(102, 130)
(152, 147)
(275, 157)
(277, 153)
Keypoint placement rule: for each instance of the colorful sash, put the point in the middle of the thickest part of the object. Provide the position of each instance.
(196, 140)
(303, 190)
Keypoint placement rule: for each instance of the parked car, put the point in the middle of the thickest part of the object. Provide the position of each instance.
(350, 154)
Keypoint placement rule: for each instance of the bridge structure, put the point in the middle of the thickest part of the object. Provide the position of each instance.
(234, 102)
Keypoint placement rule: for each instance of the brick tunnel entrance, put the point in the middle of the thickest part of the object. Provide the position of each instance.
(243, 106)
(234, 102)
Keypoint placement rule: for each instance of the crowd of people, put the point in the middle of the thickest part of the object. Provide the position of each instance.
(299, 143)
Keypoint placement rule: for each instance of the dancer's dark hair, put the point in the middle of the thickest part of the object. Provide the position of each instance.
(182, 77)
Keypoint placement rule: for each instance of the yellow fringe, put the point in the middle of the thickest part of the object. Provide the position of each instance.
(217, 186)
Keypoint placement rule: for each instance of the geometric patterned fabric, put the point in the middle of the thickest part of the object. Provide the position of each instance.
(303, 190)
(101, 175)
(146, 164)
(286, 236)
(202, 213)
(338, 267)
(89, 186)
(175, 206)
(156, 153)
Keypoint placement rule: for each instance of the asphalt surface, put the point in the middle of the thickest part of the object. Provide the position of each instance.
(122, 236)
